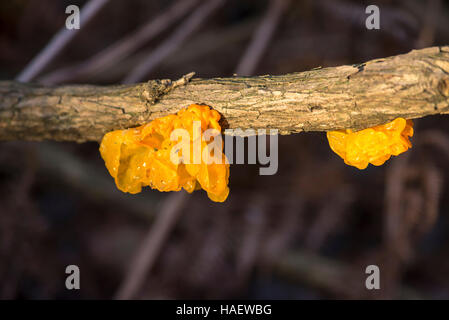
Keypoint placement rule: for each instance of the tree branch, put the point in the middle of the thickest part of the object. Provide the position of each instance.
(412, 85)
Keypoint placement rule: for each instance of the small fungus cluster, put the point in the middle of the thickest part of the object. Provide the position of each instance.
(372, 145)
(139, 157)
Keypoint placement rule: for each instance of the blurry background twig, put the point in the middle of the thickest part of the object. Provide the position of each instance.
(261, 37)
(174, 42)
(113, 54)
(152, 245)
(58, 43)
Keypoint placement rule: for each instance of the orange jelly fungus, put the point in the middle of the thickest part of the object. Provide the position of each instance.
(373, 145)
(139, 157)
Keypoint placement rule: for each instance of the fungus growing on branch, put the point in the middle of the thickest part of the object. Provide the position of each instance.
(372, 145)
(142, 156)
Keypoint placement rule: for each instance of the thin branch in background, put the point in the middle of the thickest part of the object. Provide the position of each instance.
(410, 211)
(59, 42)
(427, 34)
(255, 218)
(201, 46)
(262, 37)
(214, 245)
(94, 183)
(396, 22)
(395, 237)
(330, 275)
(433, 185)
(399, 216)
(330, 218)
(290, 223)
(435, 138)
(418, 8)
(316, 271)
(122, 48)
(174, 42)
(152, 245)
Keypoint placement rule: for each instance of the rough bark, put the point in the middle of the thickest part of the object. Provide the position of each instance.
(411, 85)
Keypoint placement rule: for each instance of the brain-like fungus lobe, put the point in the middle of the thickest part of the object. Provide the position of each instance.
(372, 145)
(143, 156)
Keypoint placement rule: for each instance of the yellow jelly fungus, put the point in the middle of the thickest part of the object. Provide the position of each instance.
(139, 157)
(373, 145)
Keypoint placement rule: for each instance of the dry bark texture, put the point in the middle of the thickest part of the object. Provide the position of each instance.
(411, 85)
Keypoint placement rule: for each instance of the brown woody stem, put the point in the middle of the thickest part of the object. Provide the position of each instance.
(411, 85)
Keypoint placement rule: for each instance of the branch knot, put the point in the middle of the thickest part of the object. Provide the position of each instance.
(156, 89)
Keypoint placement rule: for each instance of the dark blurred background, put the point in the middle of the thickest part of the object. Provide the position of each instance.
(307, 232)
